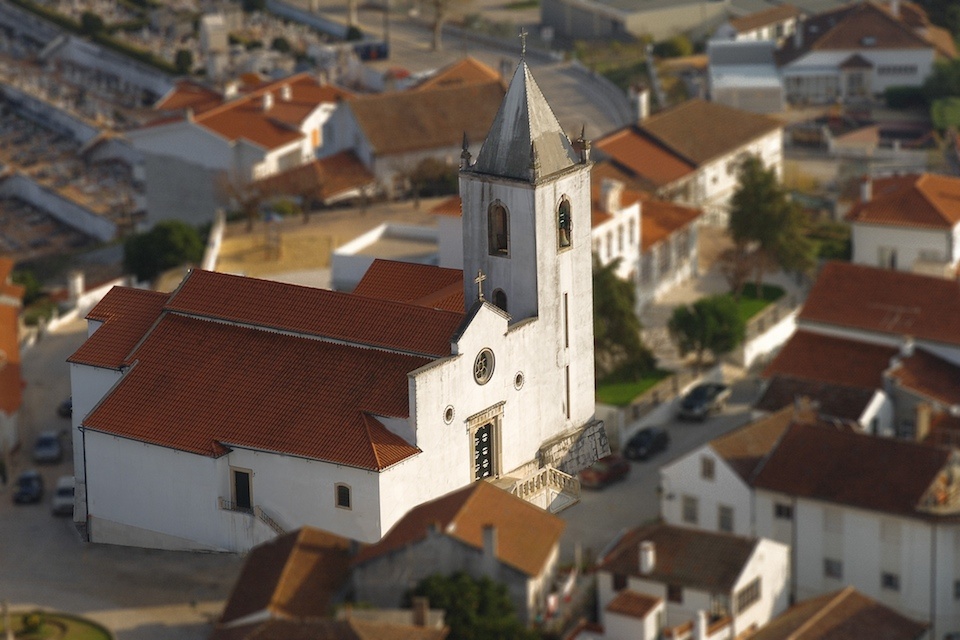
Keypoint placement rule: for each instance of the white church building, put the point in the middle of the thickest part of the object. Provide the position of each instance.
(232, 409)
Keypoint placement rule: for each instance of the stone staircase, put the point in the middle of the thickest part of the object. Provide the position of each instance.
(547, 487)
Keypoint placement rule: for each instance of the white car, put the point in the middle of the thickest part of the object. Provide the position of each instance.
(62, 504)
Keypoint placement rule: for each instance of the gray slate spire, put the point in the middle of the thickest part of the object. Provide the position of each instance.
(524, 122)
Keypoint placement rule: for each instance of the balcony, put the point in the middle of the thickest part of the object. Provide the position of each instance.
(226, 505)
(548, 488)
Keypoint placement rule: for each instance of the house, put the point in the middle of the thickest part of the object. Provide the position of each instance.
(879, 514)
(773, 24)
(845, 614)
(743, 75)
(860, 49)
(337, 178)
(717, 584)
(11, 384)
(481, 530)
(908, 223)
(217, 144)
(325, 629)
(249, 407)
(690, 153)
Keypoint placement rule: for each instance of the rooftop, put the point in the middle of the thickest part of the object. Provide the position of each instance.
(928, 201)
(928, 375)
(633, 604)
(839, 361)
(833, 400)
(745, 448)
(764, 18)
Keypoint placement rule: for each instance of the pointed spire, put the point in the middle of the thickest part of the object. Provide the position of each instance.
(465, 153)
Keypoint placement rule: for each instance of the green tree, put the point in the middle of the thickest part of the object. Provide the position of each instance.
(766, 227)
(32, 290)
(91, 23)
(944, 81)
(476, 609)
(676, 47)
(945, 13)
(711, 324)
(170, 243)
(183, 61)
(616, 328)
(281, 44)
(254, 5)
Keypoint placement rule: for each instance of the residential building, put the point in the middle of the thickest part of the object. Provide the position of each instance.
(690, 153)
(346, 629)
(481, 530)
(743, 74)
(345, 411)
(717, 584)
(773, 24)
(605, 19)
(218, 144)
(11, 384)
(860, 49)
(908, 223)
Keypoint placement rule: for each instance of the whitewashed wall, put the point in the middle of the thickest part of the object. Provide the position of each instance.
(909, 243)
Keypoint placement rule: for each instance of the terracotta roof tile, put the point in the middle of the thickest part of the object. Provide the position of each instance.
(7, 288)
(318, 398)
(841, 615)
(126, 315)
(926, 201)
(526, 535)
(840, 466)
(467, 70)
(400, 122)
(660, 219)
(942, 40)
(342, 316)
(850, 363)
(449, 207)
(885, 301)
(350, 629)
(295, 575)
(11, 388)
(701, 560)
(322, 179)
(745, 448)
(418, 284)
(834, 400)
(187, 94)
(633, 604)
(632, 150)
(611, 169)
(928, 375)
(770, 16)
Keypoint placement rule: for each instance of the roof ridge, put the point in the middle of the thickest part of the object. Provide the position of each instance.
(919, 185)
(364, 415)
(247, 97)
(819, 615)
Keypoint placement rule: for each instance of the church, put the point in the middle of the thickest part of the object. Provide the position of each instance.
(234, 409)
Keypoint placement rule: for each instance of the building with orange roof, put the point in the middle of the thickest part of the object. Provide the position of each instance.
(481, 530)
(11, 384)
(908, 223)
(249, 407)
(216, 144)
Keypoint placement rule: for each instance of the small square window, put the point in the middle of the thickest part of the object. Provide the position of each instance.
(956, 589)
(690, 509)
(707, 468)
(675, 593)
(833, 568)
(890, 581)
(343, 497)
(783, 511)
(725, 519)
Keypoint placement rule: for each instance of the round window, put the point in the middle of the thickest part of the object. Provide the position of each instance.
(448, 414)
(483, 367)
(518, 380)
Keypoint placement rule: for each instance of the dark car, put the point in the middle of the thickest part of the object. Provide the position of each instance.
(604, 471)
(65, 408)
(47, 448)
(29, 487)
(646, 442)
(702, 400)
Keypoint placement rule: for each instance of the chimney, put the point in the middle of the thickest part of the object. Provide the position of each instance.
(286, 93)
(906, 347)
(640, 100)
(700, 625)
(421, 611)
(648, 557)
(923, 421)
(267, 101)
(611, 194)
(866, 189)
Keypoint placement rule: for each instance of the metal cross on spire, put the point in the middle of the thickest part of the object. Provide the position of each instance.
(479, 280)
(523, 43)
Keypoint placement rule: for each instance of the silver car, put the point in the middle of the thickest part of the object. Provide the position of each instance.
(62, 504)
(48, 448)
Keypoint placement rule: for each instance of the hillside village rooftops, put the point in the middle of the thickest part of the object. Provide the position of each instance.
(926, 200)
(464, 513)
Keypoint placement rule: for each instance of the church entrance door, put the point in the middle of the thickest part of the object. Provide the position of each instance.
(483, 454)
(484, 431)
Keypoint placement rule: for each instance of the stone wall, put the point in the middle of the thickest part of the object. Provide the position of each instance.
(574, 451)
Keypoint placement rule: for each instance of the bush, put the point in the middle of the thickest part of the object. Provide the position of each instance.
(254, 5)
(675, 47)
(183, 61)
(169, 244)
(281, 44)
(91, 23)
(286, 207)
(904, 97)
(353, 33)
(32, 289)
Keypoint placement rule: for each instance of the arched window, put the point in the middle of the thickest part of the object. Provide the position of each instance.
(343, 496)
(500, 299)
(498, 230)
(563, 224)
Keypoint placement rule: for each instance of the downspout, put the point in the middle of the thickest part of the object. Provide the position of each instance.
(86, 485)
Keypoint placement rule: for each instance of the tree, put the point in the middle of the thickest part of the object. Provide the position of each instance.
(170, 243)
(945, 13)
(676, 47)
(254, 5)
(32, 290)
(944, 81)
(616, 328)
(91, 23)
(243, 195)
(183, 61)
(766, 227)
(711, 324)
(441, 11)
(476, 609)
(281, 44)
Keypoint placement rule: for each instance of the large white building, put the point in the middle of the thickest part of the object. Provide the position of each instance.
(233, 408)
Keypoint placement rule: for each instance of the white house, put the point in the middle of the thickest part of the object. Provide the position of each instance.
(218, 144)
(11, 385)
(860, 49)
(908, 223)
(717, 584)
(743, 74)
(774, 24)
(233, 408)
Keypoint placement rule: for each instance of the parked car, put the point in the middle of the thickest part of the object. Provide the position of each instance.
(29, 487)
(65, 408)
(604, 471)
(646, 442)
(702, 400)
(47, 447)
(62, 504)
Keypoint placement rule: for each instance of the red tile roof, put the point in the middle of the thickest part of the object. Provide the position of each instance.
(199, 386)
(418, 284)
(833, 400)
(701, 560)
(928, 375)
(660, 219)
(844, 467)
(885, 301)
(11, 388)
(639, 154)
(449, 207)
(526, 535)
(633, 604)
(745, 448)
(325, 629)
(771, 16)
(295, 575)
(467, 70)
(322, 180)
(189, 95)
(927, 201)
(851, 363)
(127, 314)
(332, 314)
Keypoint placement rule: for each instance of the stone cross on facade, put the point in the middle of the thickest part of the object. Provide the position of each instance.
(479, 280)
